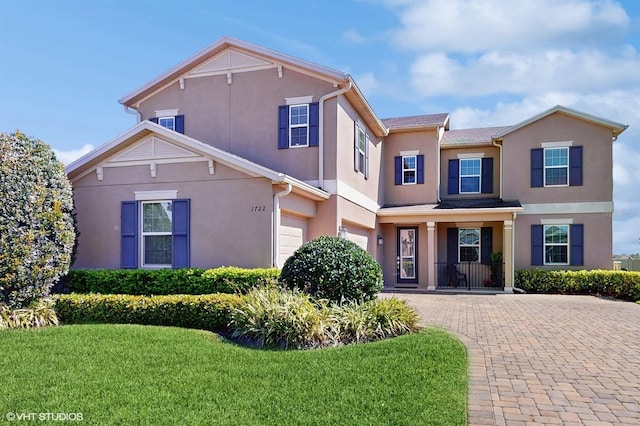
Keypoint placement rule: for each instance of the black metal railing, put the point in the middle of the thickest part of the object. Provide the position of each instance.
(470, 276)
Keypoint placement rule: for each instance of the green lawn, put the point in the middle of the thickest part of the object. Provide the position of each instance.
(130, 374)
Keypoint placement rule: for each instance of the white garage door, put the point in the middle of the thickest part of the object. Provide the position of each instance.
(293, 233)
(359, 238)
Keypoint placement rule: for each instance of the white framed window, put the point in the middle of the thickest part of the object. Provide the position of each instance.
(156, 223)
(168, 122)
(556, 244)
(299, 125)
(409, 169)
(470, 173)
(469, 245)
(556, 166)
(361, 151)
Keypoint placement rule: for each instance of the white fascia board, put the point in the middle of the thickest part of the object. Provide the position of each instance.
(448, 212)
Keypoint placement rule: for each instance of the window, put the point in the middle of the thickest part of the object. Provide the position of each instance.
(409, 164)
(556, 166)
(556, 244)
(156, 233)
(361, 151)
(298, 125)
(469, 245)
(175, 122)
(168, 122)
(470, 176)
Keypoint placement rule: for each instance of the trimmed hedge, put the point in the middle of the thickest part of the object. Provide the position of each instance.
(619, 284)
(207, 312)
(169, 281)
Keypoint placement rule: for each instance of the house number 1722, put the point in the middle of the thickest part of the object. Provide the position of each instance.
(259, 208)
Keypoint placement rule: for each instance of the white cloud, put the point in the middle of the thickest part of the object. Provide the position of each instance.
(367, 83)
(68, 157)
(477, 25)
(353, 36)
(523, 72)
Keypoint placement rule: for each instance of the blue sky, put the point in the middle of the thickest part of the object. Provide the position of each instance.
(65, 63)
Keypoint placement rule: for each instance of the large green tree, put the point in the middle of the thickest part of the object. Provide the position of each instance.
(36, 224)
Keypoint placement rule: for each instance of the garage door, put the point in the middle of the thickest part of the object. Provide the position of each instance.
(293, 233)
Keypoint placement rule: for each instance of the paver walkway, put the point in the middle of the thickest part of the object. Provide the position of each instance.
(544, 359)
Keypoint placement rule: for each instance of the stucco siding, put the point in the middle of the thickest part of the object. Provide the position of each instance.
(226, 212)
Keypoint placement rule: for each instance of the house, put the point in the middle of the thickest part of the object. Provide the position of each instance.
(241, 154)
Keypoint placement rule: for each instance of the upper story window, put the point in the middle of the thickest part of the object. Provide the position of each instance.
(298, 125)
(556, 244)
(409, 167)
(172, 122)
(556, 166)
(470, 173)
(469, 245)
(168, 122)
(361, 151)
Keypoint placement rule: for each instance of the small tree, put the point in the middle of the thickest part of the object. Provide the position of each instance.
(333, 268)
(36, 225)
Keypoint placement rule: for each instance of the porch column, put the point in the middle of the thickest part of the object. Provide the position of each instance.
(507, 255)
(431, 255)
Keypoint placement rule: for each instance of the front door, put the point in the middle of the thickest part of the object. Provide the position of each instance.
(407, 259)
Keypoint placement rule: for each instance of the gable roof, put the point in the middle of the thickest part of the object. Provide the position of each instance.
(478, 136)
(244, 53)
(416, 122)
(187, 144)
(616, 128)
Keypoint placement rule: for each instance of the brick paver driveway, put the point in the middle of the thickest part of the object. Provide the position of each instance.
(544, 359)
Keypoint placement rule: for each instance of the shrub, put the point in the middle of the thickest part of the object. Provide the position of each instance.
(274, 318)
(619, 284)
(36, 224)
(169, 281)
(292, 319)
(207, 312)
(41, 315)
(333, 268)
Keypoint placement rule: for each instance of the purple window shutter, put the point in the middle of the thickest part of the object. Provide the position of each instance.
(575, 166)
(179, 122)
(129, 235)
(537, 245)
(181, 234)
(487, 176)
(452, 246)
(398, 170)
(454, 174)
(537, 167)
(420, 169)
(154, 119)
(314, 119)
(577, 245)
(283, 127)
(486, 244)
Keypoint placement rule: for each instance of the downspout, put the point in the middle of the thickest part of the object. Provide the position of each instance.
(135, 112)
(321, 130)
(439, 181)
(499, 145)
(276, 224)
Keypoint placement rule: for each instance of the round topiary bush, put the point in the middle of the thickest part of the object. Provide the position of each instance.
(36, 223)
(333, 268)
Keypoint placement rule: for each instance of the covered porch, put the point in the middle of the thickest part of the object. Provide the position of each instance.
(457, 245)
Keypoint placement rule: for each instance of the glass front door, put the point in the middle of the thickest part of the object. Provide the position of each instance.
(407, 259)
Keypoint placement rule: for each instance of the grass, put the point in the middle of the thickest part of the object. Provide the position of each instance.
(131, 374)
